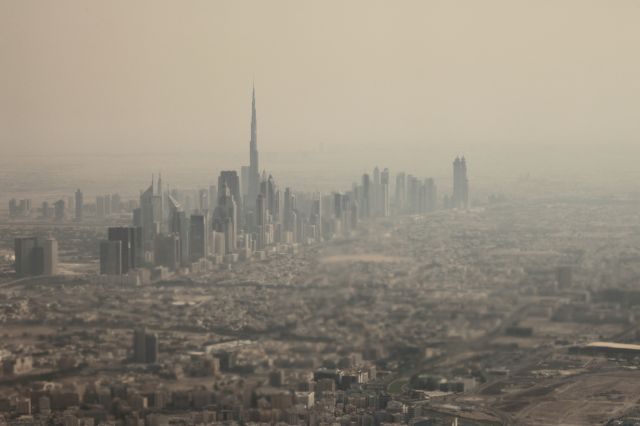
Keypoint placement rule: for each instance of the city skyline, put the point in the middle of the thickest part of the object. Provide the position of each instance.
(436, 222)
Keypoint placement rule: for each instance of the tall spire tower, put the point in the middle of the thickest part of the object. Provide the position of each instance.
(254, 174)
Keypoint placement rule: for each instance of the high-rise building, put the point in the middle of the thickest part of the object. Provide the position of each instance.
(50, 256)
(110, 257)
(413, 189)
(79, 204)
(167, 251)
(59, 211)
(151, 348)
(139, 346)
(365, 205)
(198, 237)
(203, 200)
(261, 220)
(375, 193)
(383, 193)
(100, 208)
(179, 225)
(128, 237)
(244, 181)
(24, 254)
(145, 347)
(213, 197)
(254, 173)
(338, 205)
(232, 182)
(36, 256)
(272, 199)
(21, 209)
(225, 218)
(315, 218)
(460, 198)
(151, 213)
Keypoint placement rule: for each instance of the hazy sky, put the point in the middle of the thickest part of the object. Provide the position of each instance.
(102, 76)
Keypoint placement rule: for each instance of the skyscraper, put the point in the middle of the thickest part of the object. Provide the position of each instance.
(225, 217)
(100, 207)
(289, 208)
(244, 181)
(460, 198)
(79, 204)
(36, 256)
(230, 179)
(50, 256)
(213, 197)
(127, 236)
(198, 237)
(254, 174)
(24, 248)
(366, 196)
(383, 193)
(145, 347)
(375, 193)
(179, 225)
(139, 346)
(110, 257)
(58, 208)
(151, 213)
(167, 251)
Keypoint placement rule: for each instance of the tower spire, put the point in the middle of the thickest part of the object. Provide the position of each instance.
(254, 170)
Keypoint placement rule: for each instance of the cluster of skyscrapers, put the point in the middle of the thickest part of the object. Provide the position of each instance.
(239, 218)
(74, 207)
(247, 215)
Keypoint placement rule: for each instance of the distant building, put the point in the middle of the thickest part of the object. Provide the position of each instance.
(151, 213)
(460, 198)
(128, 237)
(179, 225)
(145, 347)
(244, 181)
(110, 257)
(225, 218)
(50, 256)
(253, 187)
(79, 203)
(167, 251)
(229, 178)
(365, 197)
(36, 256)
(24, 254)
(100, 210)
(19, 209)
(213, 197)
(59, 210)
(383, 195)
(198, 237)
(151, 348)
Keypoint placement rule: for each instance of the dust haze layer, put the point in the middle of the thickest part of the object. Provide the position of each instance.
(547, 88)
